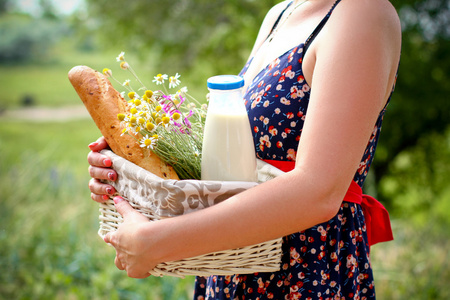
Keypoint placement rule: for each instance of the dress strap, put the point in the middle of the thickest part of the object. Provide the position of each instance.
(319, 27)
(279, 18)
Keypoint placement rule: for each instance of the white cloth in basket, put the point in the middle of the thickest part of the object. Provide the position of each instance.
(159, 198)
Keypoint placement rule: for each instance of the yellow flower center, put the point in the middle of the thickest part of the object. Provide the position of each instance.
(131, 95)
(121, 117)
(148, 142)
(150, 126)
(166, 120)
(124, 65)
(149, 93)
(176, 116)
(107, 72)
(133, 111)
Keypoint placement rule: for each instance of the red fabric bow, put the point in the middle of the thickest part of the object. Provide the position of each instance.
(378, 224)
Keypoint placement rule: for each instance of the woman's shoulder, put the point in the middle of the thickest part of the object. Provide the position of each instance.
(368, 13)
(366, 20)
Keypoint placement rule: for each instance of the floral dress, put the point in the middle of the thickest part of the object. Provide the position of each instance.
(329, 260)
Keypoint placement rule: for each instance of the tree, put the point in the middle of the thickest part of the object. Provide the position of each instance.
(221, 33)
(180, 32)
(3, 6)
(420, 105)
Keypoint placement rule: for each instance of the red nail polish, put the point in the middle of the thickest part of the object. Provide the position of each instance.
(92, 145)
(112, 176)
(105, 197)
(109, 190)
(107, 162)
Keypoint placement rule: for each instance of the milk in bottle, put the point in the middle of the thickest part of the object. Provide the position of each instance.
(228, 152)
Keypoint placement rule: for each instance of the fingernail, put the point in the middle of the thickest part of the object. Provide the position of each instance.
(92, 145)
(112, 176)
(109, 191)
(107, 162)
(105, 197)
(117, 199)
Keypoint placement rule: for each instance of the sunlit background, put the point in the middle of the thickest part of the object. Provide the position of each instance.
(49, 248)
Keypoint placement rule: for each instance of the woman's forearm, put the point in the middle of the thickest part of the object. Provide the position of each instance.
(260, 214)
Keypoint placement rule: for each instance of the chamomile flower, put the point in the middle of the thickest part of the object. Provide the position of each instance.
(121, 117)
(107, 72)
(160, 78)
(150, 126)
(174, 81)
(134, 111)
(124, 65)
(124, 131)
(166, 121)
(132, 95)
(121, 56)
(148, 142)
(162, 113)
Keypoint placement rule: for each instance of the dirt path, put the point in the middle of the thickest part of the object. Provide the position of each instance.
(46, 114)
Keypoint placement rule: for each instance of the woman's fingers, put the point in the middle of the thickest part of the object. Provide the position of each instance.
(98, 145)
(102, 173)
(100, 192)
(99, 169)
(99, 160)
(99, 198)
(118, 264)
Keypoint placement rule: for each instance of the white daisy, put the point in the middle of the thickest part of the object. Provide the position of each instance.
(148, 142)
(159, 79)
(174, 81)
(121, 56)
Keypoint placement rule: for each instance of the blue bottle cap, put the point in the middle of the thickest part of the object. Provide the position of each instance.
(225, 82)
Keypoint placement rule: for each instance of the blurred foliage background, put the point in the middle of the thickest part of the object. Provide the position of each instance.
(48, 243)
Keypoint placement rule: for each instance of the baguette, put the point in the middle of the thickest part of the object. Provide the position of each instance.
(103, 103)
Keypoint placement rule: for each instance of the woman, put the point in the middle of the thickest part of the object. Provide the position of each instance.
(318, 81)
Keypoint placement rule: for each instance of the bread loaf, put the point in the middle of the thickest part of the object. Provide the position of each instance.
(103, 103)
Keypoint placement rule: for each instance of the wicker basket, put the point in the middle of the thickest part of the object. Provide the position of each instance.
(141, 188)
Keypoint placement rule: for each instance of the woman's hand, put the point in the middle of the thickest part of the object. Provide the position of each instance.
(131, 242)
(100, 168)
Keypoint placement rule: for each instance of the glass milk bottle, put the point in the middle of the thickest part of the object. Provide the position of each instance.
(228, 152)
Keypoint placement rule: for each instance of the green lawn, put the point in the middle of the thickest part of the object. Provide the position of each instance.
(48, 231)
(48, 85)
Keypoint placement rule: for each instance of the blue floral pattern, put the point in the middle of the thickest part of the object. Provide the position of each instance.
(327, 261)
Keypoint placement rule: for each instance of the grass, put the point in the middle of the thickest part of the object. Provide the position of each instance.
(47, 83)
(415, 265)
(48, 231)
(51, 249)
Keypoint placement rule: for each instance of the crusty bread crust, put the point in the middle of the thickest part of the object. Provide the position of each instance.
(103, 103)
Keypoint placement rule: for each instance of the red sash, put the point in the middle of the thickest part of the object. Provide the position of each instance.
(378, 224)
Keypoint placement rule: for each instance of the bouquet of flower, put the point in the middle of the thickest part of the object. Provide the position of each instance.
(170, 124)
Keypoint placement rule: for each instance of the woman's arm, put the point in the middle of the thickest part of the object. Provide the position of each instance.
(352, 76)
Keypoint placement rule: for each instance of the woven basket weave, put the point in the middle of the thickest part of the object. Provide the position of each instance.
(157, 199)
